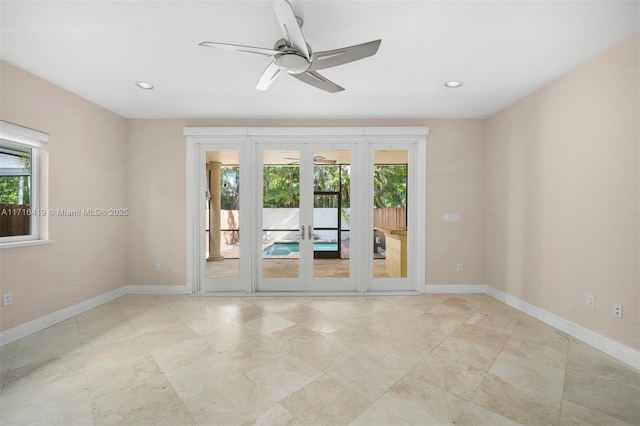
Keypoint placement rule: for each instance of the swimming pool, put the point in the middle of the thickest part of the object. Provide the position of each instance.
(286, 249)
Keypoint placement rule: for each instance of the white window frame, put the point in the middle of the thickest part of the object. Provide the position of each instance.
(36, 141)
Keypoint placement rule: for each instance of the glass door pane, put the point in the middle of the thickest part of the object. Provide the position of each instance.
(390, 201)
(281, 226)
(331, 214)
(222, 214)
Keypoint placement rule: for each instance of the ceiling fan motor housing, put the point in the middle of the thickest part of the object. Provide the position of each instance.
(291, 61)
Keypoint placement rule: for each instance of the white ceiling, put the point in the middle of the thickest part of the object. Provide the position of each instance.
(501, 50)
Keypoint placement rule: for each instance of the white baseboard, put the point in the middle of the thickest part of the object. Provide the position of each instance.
(38, 324)
(456, 288)
(617, 350)
(157, 289)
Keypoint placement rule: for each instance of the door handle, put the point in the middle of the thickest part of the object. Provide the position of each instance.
(310, 232)
(302, 232)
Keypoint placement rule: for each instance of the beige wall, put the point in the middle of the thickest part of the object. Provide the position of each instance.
(156, 159)
(562, 202)
(86, 157)
(548, 191)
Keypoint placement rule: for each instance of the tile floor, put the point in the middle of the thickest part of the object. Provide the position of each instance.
(431, 359)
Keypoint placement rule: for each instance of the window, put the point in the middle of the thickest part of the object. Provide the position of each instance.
(20, 211)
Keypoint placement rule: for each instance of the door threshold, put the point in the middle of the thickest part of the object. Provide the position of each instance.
(303, 293)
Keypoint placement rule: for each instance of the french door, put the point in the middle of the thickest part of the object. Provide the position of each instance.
(225, 217)
(304, 228)
(305, 209)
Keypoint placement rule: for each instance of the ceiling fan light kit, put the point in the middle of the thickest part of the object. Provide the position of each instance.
(294, 56)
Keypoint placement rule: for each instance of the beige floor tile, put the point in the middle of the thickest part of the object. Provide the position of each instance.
(253, 354)
(222, 404)
(117, 333)
(610, 397)
(588, 360)
(54, 342)
(268, 324)
(200, 374)
(245, 313)
(135, 403)
(209, 321)
(294, 336)
(313, 320)
(382, 323)
(160, 339)
(275, 415)
(453, 376)
(493, 322)
(275, 304)
(493, 339)
(544, 381)
(173, 415)
(413, 402)
(540, 344)
(60, 398)
(282, 376)
(230, 337)
(159, 318)
(183, 353)
(107, 376)
(402, 313)
(325, 401)
(475, 415)
(356, 338)
(575, 414)
(6, 357)
(45, 372)
(459, 350)
(176, 359)
(370, 372)
(454, 308)
(522, 390)
(322, 353)
(114, 353)
(424, 302)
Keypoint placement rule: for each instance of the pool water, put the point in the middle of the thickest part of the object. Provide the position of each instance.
(285, 249)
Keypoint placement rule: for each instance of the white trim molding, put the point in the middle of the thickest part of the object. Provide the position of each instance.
(38, 324)
(617, 350)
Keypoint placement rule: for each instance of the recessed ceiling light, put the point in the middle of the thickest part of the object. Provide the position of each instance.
(144, 85)
(453, 84)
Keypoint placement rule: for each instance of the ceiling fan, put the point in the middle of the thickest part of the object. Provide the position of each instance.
(294, 56)
(317, 159)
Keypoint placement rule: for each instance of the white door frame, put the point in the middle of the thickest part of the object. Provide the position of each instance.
(247, 137)
(306, 281)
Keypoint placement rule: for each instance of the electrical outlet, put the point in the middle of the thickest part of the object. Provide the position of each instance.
(591, 301)
(459, 267)
(617, 311)
(7, 299)
(156, 267)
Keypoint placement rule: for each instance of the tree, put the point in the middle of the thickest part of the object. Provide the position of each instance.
(390, 185)
(281, 186)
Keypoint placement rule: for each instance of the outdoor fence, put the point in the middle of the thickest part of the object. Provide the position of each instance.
(14, 220)
(390, 217)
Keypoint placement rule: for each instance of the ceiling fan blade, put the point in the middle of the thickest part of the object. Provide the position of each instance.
(315, 79)
(240, 48)
(289, 27)
(268, 76)
(332, 58)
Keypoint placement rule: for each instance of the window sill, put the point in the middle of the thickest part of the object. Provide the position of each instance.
(25, 243)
